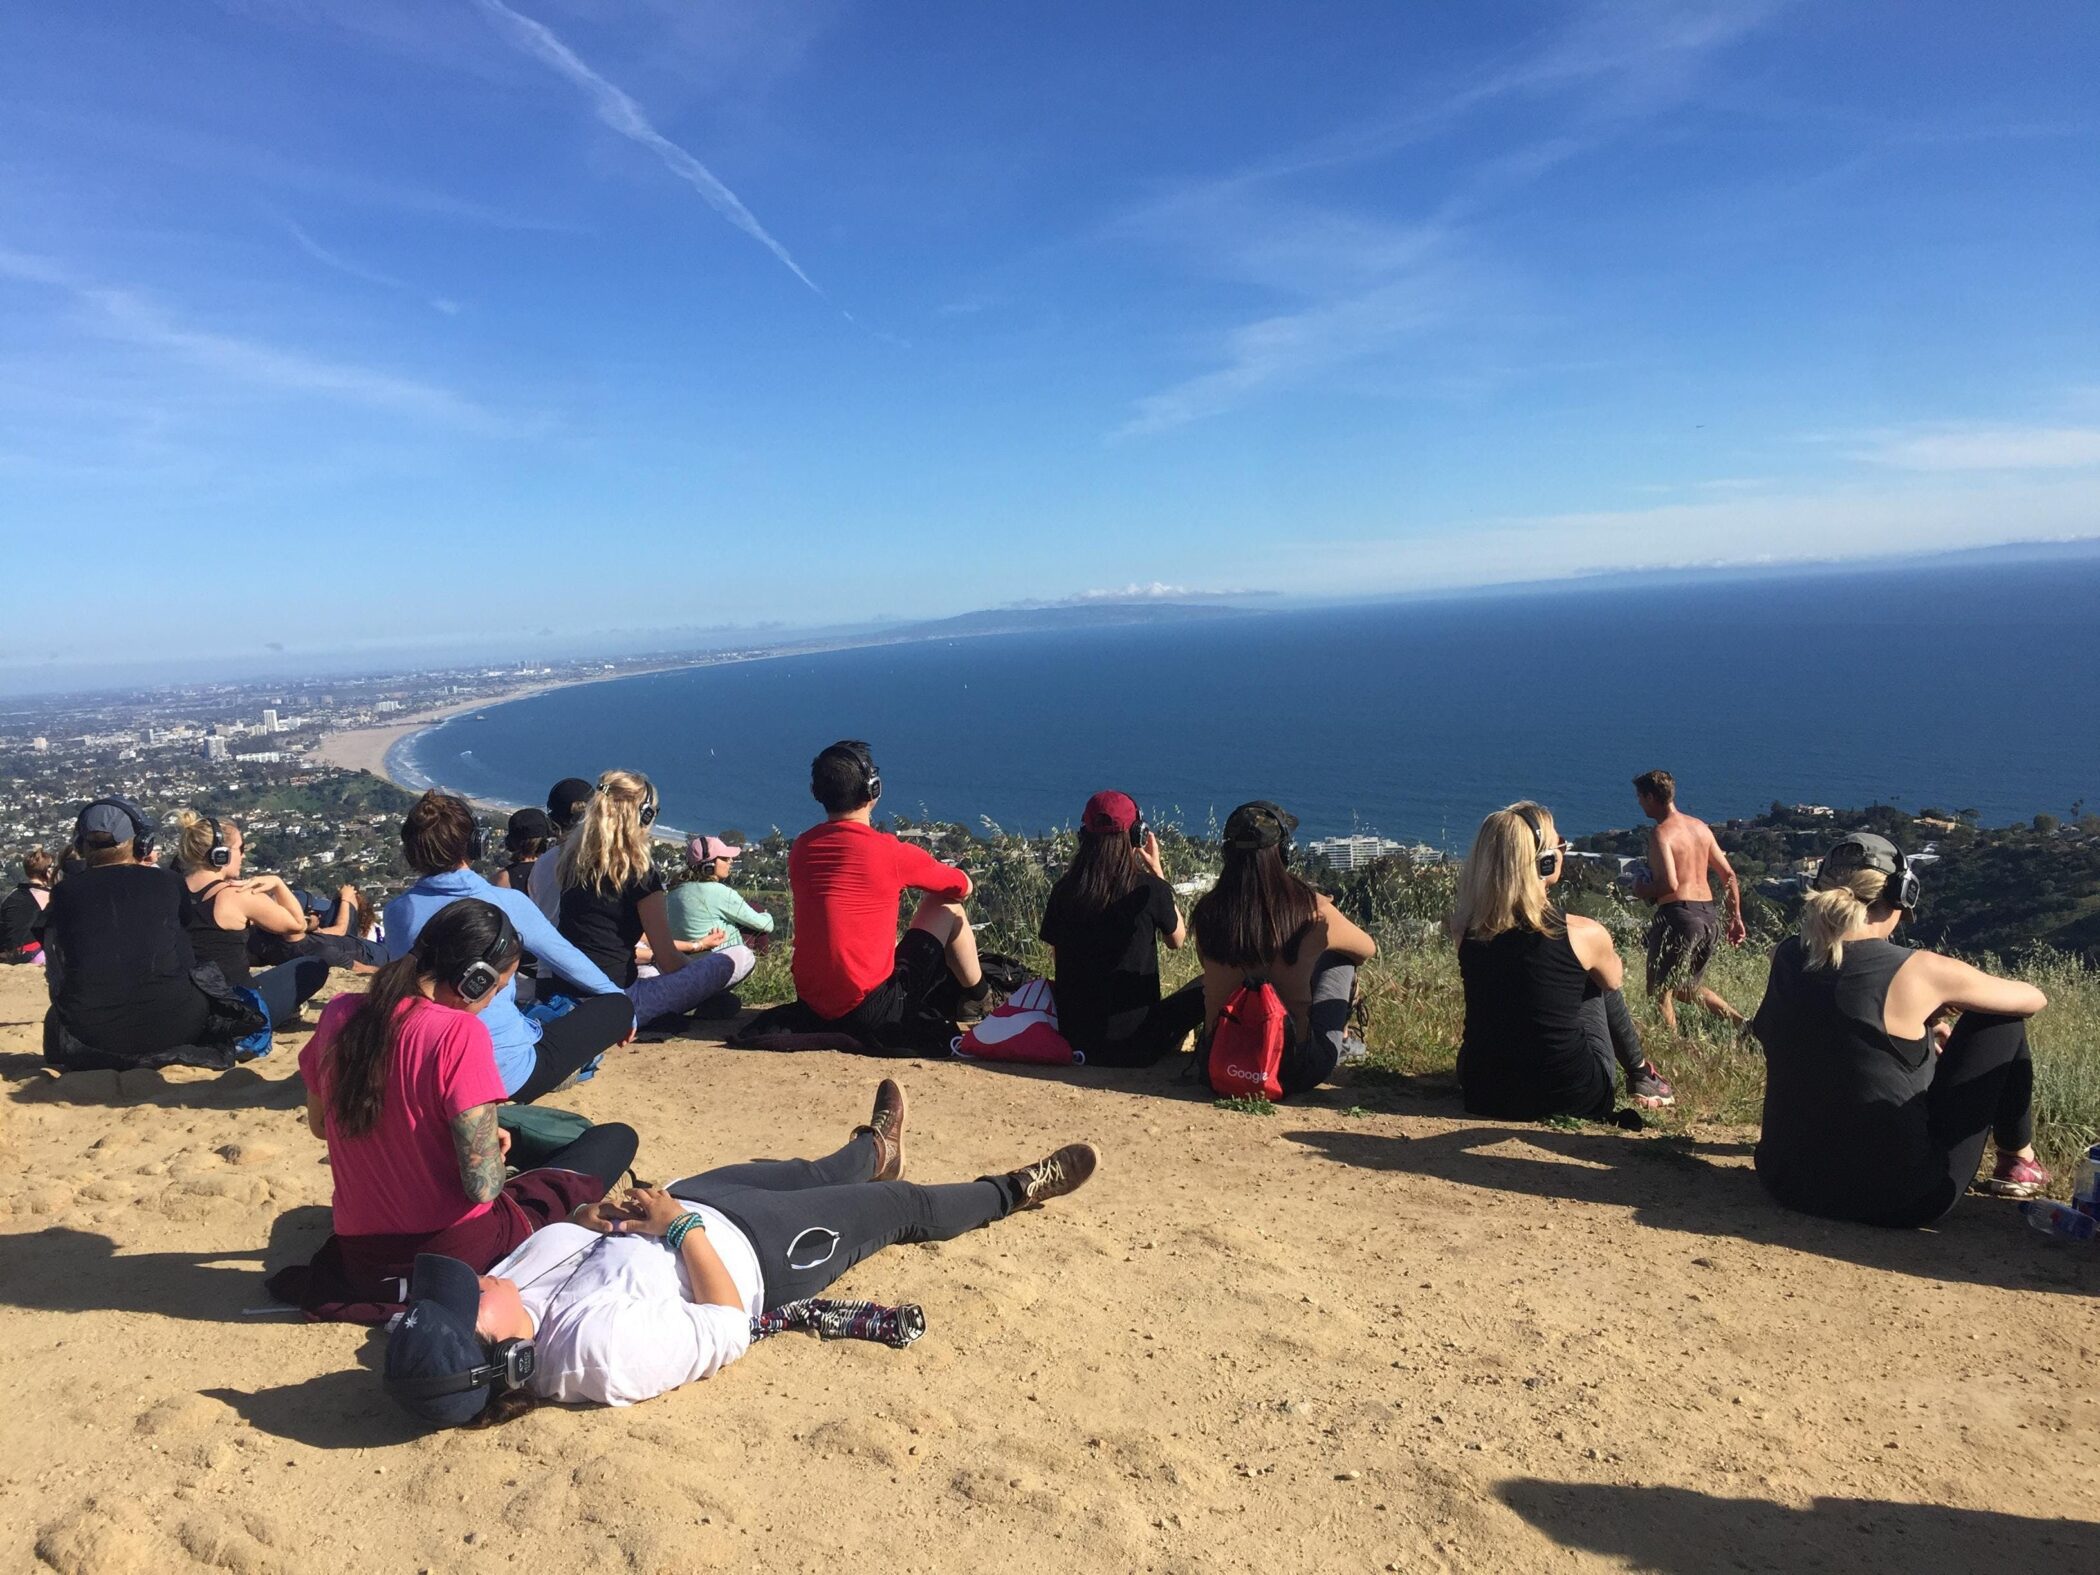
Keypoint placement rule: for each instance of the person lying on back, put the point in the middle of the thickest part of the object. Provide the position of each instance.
(1104, 923)
(401, 1084)
(535, 1055)
(1262, 920)
(1546, 1018)
(1875, 1110)
(846, 877)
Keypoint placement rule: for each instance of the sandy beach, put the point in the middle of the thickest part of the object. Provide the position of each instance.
(1365, 1333)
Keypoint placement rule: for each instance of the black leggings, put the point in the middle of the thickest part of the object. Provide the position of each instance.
(1168, 1023)
(289, 986)
(569, 1042)
(1982, 1088)
(810, 1220)
(604, 1152)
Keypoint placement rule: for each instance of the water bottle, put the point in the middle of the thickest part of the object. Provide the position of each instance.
(2060, 1220)
(2085, 1190)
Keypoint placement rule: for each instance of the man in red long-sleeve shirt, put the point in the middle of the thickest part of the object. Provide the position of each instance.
(850, 967)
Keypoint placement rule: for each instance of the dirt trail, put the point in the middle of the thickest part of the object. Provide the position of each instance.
(1318, 1340)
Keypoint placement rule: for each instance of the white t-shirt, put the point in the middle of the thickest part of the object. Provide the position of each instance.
(614, 1316)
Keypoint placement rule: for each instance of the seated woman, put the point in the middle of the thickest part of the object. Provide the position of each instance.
(1546, 1017)
(525, 839)
(657, 1289)
(1873, 1110)
(535, 1054)
(401, 1083)
(1261, 919)
(22, 910)
(222, 907)
(1104, 923)
(125, 987)
(706, 909)
(612, 897)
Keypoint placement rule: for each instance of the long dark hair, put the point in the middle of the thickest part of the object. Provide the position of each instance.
(1256, 907)
(1105, 868)
(458, 935)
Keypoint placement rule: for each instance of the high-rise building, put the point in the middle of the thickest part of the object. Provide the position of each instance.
(214, 746)
(269, 721)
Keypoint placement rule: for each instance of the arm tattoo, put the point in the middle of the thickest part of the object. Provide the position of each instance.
(480, 1156)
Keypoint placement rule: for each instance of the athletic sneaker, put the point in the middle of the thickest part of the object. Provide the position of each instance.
(969, 1013)
(2013, 1177)
(1649, 1089)
(1054, 1175)
(886, 1122)
(1354, 1052)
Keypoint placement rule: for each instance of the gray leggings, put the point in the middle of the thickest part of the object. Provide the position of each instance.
(1311, 1062)
(810, 1220)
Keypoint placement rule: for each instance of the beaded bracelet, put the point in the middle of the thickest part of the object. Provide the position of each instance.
(675, 1233)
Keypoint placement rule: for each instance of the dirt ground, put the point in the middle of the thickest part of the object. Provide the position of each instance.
(1364, 1333)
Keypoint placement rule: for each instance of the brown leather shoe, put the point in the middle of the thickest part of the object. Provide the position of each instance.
(886, 1121)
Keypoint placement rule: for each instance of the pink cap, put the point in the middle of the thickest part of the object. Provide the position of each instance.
(705, 850)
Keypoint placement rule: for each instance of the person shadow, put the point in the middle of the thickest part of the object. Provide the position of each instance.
(62, 1269)
(241, 1087)
(1680, 1184)
(1682, 1532)
(343, 1409)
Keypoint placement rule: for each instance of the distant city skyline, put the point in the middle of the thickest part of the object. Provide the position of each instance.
(370, 325)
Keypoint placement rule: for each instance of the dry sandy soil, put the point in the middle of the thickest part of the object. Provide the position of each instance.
(1328, 1339)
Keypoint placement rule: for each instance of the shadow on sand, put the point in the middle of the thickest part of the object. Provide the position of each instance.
(1682, 1532)
(240, 1088)
(1673, 1183)
(67, 1270)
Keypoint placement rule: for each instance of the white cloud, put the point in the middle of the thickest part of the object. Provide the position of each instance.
(625, 116)
(343, 265)
(1987, 448)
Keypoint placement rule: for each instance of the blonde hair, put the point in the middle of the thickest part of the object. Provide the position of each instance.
(609, 849)
(1834, 909)
(193, 839)
(1500, 888)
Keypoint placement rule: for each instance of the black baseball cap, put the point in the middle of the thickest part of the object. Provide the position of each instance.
(118, 819)
(433, 1345)
(564, 796)
(1258, 825)
(526, 824)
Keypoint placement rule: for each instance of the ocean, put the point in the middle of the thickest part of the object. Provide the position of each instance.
(1974, 686)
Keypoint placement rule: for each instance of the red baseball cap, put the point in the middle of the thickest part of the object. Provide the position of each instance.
(1109, 811)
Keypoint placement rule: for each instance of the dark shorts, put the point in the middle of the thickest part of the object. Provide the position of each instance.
(1681, 941)
(914, 1008)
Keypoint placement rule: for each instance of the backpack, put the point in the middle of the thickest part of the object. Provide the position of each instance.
(1245, 1055)
(1023, 1028)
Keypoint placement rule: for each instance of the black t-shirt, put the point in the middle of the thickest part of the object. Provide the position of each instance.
(1847, 1127)
(122, 971)
(605, 925)
(1107, 962)
(21, 919)
(1526, 1054)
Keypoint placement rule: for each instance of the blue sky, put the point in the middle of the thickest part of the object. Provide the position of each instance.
(375, 321)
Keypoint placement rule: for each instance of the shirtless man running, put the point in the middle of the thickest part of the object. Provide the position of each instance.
(1681, 853)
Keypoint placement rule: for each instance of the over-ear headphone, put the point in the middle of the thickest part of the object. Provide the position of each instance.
(220, 855)
(870, 773)
(1548, 860)
(1138, 829)
(1902, 888)
(477, 842)
(511, 1365)
(647, 814)
(142, 829)
(482, 974)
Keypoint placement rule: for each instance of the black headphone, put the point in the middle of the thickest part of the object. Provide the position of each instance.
(511, 1365)
(220, 855)
(870, 773)
(478, 842)
(1138, 829)
(1549, 861)
(482, 974)
(647, 813)
(1901, 890)
(142, 829)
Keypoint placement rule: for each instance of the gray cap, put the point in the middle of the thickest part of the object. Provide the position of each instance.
(1862, 850)
(118, 819)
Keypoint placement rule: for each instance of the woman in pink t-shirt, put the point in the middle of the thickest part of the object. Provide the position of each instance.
(401, 1083)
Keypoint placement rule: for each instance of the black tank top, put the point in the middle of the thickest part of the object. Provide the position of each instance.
(1526, 1054)
(227, 948)
(1847, 1131)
